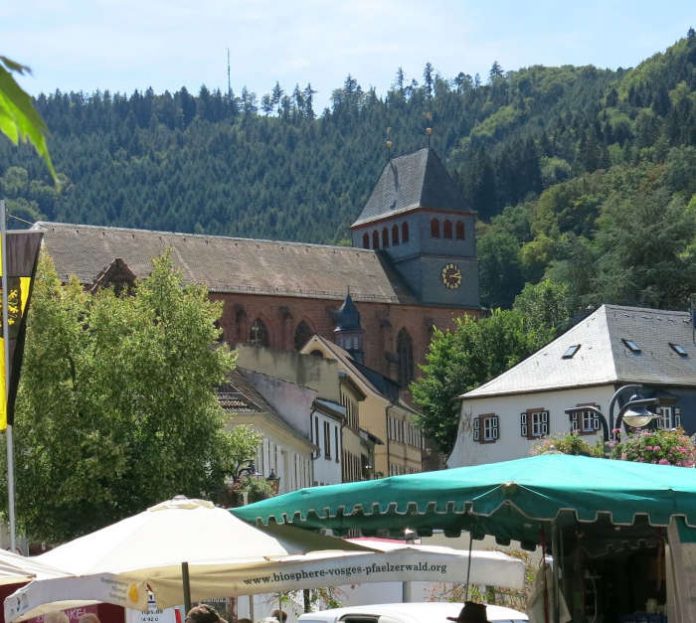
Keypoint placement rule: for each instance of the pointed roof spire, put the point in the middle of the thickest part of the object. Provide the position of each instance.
(348, 316)
(411, 181)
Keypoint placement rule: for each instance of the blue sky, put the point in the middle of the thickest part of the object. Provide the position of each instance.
(123, 45)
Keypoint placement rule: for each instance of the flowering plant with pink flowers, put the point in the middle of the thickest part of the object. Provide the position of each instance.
(662, 447)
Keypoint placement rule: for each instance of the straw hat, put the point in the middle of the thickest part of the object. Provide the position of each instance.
(471, 613)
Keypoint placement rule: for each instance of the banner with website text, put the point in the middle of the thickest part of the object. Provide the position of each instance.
(230, 577)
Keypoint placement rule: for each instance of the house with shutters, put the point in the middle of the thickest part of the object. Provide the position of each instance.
(560, 388)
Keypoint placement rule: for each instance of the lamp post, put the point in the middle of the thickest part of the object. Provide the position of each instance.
(635, 388)
(274, 480)
(633, 413)
(598, 413)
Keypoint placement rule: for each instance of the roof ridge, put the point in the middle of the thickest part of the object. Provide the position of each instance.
(175, 234)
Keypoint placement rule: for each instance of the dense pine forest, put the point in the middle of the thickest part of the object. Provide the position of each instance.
(581, 175)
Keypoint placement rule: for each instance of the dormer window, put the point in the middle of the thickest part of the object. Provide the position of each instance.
(631, 345)
(679, 349)
(570, 351)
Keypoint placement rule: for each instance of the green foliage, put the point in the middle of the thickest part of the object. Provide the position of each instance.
(663, 447)
(545, 306)
(471, 354)
(19, 121)
(117, 407)
(571, 443)
(570, 152)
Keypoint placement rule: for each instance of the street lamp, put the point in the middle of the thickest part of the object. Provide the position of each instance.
(273, 480)
(248, 470)
(597, 412)
(633, 413)
(635, 388)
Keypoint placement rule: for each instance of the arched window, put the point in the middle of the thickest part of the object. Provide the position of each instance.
(302, 334)
(461, 232)
(258, 334)
(385, 238)
(395, 235)
(366, 240)
(317, 353)
(435, 228)
(404, 233)
(375, 240)
(404, 351)
(447, 230)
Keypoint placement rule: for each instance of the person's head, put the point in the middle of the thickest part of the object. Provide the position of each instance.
(471, 613)
(58, 616)
(203, 613)
(89, 617)
(281, 615)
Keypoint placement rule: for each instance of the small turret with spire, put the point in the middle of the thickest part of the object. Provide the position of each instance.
(348, 332)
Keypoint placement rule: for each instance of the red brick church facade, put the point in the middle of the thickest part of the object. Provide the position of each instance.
(412, 267)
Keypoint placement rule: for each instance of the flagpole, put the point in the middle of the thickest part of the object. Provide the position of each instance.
(6, 344)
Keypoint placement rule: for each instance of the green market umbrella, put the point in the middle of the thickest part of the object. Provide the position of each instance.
(510, 500)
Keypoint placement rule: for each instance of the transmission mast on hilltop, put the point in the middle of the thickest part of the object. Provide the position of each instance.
(229, 80)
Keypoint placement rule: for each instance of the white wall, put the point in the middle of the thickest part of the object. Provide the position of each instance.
(288, 457)
(327, 471)
(511, 444)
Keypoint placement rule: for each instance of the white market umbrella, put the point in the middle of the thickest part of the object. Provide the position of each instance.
(16, 569)
(224, 555)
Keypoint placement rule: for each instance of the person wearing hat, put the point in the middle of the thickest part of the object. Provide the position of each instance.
(471, 613)
(203, 613)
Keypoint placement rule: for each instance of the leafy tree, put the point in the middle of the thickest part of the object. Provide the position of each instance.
(117, 407)
(457, 361)
(546, 306)
(645, 251)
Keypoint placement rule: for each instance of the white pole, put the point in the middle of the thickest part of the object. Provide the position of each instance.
(6, 342)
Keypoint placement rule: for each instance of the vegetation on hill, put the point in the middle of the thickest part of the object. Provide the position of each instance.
(581, 175)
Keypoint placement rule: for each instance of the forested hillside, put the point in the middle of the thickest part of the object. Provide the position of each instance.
(578, 174)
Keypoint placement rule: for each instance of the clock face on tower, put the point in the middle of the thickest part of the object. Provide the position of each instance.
(451, 276)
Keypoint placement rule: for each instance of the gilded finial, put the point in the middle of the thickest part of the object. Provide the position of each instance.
(388, 143)
(428, 130)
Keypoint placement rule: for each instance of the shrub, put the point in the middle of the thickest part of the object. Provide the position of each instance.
(570, 443)
(662, 447)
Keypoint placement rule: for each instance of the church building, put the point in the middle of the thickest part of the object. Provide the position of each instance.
(412, 267)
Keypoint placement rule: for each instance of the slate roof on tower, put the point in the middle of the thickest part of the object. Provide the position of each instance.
(411, 181)
(229, 265)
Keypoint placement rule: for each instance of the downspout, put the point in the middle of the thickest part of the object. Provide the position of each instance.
(389, 406)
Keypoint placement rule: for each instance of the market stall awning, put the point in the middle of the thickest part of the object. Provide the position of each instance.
(225, 556)
(510, 500)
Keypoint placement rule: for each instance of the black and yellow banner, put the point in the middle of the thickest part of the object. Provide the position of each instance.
(22, 255)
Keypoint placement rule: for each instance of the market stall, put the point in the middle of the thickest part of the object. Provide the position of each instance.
(188, 550)
(592, 514)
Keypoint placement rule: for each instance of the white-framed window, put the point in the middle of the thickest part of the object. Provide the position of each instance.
(584, 421)
(534, 423)
(486, 428)
(669, 417)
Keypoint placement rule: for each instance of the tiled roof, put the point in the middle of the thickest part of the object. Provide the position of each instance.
(415, 180)
(227, 264)
(603, 356)
(239, 397)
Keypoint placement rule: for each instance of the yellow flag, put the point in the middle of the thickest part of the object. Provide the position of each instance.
(22, 255)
